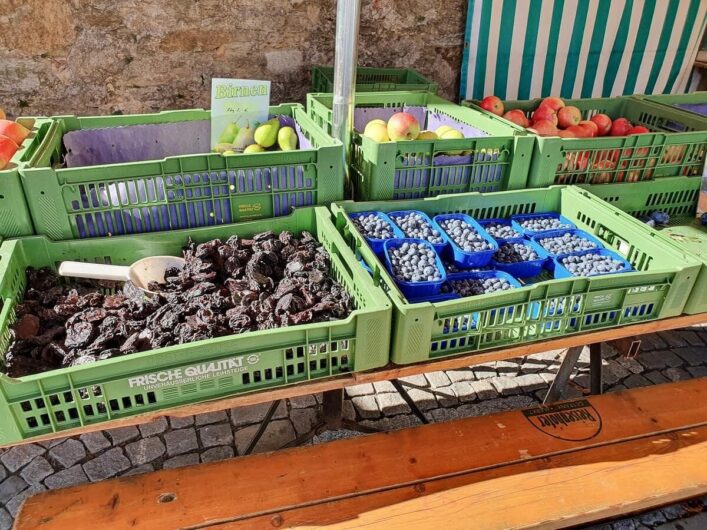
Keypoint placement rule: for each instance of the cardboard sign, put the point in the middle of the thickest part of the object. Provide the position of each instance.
(237, 103)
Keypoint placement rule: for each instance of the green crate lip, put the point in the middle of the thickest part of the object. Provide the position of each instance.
(323, 76)
(669, 100)
(379, 301)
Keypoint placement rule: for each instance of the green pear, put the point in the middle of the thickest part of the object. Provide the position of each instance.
(222, 147)
(229, 134)
(254, 148)
(244, 138)
(229, 152)
(287, 139)
(266, 134)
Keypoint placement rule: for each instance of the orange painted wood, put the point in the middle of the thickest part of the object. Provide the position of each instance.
(388, 373)
(391, 468)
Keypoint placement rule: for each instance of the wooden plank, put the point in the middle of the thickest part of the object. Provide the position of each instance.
(560, 491)
(405, 462)
(385, 374)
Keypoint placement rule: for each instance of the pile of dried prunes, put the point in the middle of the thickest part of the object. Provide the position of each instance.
(225, 288)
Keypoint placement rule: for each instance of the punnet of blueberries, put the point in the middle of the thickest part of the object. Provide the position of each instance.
(499, 230)
(477, 286)
(416, 226)
(464, 235)
(543, 224)
(592, 264)
(513, 252)
(373, 226)
(567, 243)
(414, 262)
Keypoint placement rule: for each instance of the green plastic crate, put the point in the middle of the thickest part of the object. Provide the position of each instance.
(674, 100)
(374, 80)
(609, 159)
(176, 192)
(63, 399)
(677, 196)
(420, 168)
(15, 219)
(545, 308)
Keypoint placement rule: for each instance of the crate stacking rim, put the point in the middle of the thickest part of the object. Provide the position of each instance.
(679, 198)
(15, 218)
(676, 145)
(544, 308)
(694, 103)
(489, 158)
(370, 79)
(72, 397)
(185, 191)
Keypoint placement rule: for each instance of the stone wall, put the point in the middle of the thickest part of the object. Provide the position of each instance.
(108, 56)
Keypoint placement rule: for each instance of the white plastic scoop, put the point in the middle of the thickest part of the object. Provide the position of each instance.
(140, 273)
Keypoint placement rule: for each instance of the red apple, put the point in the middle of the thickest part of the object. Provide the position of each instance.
(638, 129)
(8, 148)
(552, 102)
(544, 128)
(602, 171)
(545, 113)
(566, 134)
(403, 126)
(579, 132)
(14, 131)
(592, 127)
(603, 122)
(492, 104)
(517, 116)
(620, 127)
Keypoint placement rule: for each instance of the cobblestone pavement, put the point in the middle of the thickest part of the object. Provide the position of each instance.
(482, 389)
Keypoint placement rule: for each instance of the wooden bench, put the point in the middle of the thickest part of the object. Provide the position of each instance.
(569, 463)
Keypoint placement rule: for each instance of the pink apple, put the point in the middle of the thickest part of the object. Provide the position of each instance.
(545, 113)
(603, 122)
(544, 128)
(517, 116)
(552, 102)
(403, 126)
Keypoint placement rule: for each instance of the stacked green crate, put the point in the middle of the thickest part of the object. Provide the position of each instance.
(178, 191)
(676, 145)
(15, 219)
(494, 159)
(374, 79)
(163, 378)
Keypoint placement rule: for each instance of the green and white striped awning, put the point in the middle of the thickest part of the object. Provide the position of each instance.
(521, 49)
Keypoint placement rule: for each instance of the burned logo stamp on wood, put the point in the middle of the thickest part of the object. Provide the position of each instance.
(574, 421)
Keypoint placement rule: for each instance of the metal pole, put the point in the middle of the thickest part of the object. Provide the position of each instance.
(348, 13)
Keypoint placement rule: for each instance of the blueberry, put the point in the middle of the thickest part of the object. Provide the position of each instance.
(414, 225)
(515, 253)
(373, 227)
(566, 244)
(499, 230)
(413, 262)
(543, 224)
(478, 286)
(464, 235)
(591, 264)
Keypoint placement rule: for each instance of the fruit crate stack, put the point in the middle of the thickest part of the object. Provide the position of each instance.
(669, 206)
(548, 305)
(113, 175)
(92, 389)
(17, 144)
(640, 141)
(479, 152)
(374, 80)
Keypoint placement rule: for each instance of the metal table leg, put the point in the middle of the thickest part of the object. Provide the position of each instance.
(595, 368)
